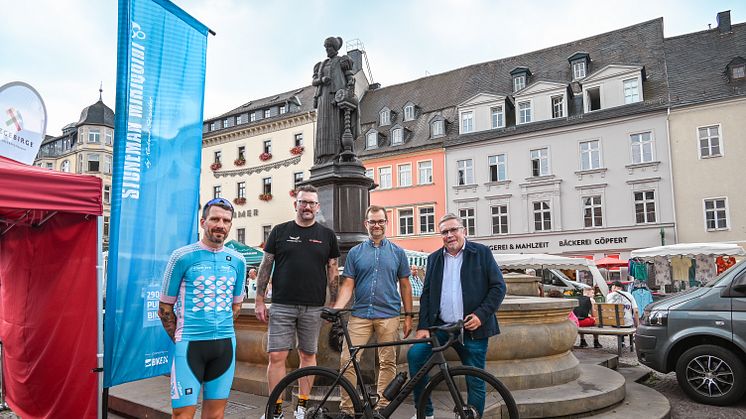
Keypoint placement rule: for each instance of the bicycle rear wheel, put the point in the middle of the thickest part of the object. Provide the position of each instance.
(324, 398)
(498, 402)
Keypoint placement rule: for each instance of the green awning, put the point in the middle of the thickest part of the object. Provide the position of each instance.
(253, 256)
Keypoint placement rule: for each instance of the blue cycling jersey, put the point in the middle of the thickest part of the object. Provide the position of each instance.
(203, 284)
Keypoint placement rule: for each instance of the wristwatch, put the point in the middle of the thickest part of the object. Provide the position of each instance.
(409, 313)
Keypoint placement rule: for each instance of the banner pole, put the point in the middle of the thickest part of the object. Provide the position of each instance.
(100, 314)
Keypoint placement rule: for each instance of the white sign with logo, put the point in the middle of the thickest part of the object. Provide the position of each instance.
(23, 122)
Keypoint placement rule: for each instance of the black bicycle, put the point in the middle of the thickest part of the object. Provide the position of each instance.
(447, 389)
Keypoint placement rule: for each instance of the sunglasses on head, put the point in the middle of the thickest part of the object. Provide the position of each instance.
(219, 201)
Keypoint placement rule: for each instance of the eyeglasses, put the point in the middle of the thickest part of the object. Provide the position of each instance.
(453, 230)
(219, 201)
(376, 222)
(307, 203)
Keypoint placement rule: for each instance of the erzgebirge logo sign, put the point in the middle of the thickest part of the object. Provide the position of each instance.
(15, 120)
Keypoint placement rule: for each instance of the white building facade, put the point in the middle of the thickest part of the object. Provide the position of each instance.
(566, 152)
(254, 156)
(591, 190)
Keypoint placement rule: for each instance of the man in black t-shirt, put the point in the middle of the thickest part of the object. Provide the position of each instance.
(304, 254)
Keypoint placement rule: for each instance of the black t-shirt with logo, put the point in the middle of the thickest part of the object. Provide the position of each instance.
(301, 258)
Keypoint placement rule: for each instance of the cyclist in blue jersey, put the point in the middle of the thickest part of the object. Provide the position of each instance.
(202, 292)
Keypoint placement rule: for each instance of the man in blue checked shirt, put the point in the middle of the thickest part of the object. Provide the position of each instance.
(415, 281)
(373, 271)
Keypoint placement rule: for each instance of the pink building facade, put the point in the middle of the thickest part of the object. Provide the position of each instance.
(411, 187)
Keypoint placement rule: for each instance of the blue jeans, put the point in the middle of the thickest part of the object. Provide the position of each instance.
(473, 352)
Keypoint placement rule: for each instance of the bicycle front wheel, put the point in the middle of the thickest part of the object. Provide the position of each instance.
(327, 388)
(470, 384)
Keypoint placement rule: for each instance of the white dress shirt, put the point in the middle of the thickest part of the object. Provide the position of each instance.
(451, 296)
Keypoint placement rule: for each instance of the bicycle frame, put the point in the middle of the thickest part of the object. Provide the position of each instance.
(436, 359)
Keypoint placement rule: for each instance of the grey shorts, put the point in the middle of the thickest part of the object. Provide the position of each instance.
(290, 322)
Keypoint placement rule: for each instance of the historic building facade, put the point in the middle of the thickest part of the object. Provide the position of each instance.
(708, 131)
(254, 156)
(401, 145)
(85, 147)
(565, 150)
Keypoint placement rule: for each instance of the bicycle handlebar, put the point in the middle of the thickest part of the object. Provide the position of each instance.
(453, 330)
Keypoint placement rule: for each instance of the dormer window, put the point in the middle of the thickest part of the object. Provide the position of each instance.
(397, 136)
(524, 112)
(521, 77)
(371, 140)
(738, 72)
(579, 64)
(408, 112)
(467, 122)
(384, 116)
(578, 70)
(519, 82)
(631, 91)
(497, 115)
(437, 128)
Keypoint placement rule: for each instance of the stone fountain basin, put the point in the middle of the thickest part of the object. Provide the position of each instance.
(533, 349)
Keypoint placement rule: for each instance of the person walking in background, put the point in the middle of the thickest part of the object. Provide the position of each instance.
(201, 297)
(415, 281)
(376, 272)
(450, 295)
(304, 254)
(251, 283)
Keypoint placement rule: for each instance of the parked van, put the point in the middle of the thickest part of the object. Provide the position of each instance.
(554, 279)
(701, 335)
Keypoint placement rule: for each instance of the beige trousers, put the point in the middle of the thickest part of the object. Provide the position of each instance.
(360, 331)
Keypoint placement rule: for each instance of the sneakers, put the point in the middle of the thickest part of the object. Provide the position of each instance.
(426, 417)
(300, 412)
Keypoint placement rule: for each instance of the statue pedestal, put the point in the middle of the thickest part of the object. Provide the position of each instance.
(344, 197)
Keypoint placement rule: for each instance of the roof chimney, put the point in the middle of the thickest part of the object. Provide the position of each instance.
(724, 21)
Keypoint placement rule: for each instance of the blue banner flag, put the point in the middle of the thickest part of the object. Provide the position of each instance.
(160, 92)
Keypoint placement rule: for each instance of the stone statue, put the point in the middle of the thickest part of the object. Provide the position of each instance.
(336, 105)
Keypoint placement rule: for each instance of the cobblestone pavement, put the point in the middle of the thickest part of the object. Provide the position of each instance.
(681, 406)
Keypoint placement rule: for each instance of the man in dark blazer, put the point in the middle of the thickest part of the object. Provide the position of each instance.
(462, 281)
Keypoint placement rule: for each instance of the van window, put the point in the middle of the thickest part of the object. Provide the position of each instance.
(726, 274)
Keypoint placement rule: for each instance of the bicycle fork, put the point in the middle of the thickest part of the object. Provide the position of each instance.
(455, 393)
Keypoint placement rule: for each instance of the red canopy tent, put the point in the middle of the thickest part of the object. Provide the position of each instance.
(49, 251)
(608, 262)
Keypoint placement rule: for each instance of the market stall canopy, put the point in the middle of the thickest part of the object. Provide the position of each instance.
(537, 260)
(48, 258)
(690, 249)
(608, 262)
(541, 261)
(30, 195)
(416, 258)
(253, 256)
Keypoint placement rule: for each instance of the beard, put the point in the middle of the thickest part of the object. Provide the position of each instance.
(212, 236)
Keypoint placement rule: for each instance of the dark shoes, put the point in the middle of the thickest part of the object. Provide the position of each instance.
(583, 344)
(597, 344)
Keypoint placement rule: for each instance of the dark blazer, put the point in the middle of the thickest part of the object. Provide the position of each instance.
(482, 286)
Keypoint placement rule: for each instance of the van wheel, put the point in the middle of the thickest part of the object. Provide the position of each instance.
(712, 375)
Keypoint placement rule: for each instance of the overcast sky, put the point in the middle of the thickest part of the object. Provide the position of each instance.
(66, 48)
